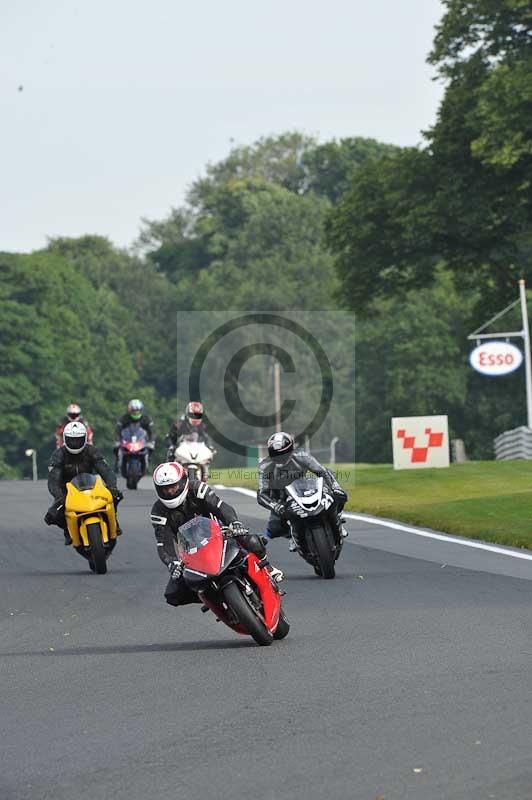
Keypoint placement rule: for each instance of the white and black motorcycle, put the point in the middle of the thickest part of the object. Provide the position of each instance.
(194, 455)
(315, 534)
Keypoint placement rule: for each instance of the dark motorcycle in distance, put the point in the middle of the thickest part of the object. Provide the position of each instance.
(232, 583)
(317, 538)
(133, 454)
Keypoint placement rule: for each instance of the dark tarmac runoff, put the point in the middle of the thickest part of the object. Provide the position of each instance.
(406, 678)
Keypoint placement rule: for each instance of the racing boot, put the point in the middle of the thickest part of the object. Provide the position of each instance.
(277, 575)
(344, 533)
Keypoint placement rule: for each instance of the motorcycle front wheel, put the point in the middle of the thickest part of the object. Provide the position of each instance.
(246, 614)
(321, 540)
(97, 548)
(283, 626)
(134, 473)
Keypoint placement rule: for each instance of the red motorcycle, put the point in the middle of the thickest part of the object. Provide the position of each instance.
(232, 583)
(133, 454)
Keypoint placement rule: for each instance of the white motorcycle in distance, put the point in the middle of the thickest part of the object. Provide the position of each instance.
(194, 455)
(317, 538)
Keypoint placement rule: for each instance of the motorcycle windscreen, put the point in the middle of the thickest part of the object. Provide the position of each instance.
(84, 481)
(134, 433)
(304, 487)
(87, 493)
(190, 437)
(307, 492)
(201, 545)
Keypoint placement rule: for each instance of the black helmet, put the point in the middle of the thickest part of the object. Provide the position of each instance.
(281, 446)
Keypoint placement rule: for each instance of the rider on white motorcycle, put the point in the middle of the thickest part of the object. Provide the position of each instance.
(191, 427)
(190, 422)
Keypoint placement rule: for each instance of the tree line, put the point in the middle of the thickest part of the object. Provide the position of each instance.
(423, 244)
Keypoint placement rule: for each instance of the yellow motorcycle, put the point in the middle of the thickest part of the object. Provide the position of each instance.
(91, 519)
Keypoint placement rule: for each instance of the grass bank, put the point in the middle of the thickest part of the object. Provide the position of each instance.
(489, 500)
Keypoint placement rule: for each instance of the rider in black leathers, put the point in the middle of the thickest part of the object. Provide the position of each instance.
(283, 466)
(135, 415)
(189, 423)
(145, 422)
(200, 500)
(73, 414)
(63, 466)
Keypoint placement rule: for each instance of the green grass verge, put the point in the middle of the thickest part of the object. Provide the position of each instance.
(489, 500)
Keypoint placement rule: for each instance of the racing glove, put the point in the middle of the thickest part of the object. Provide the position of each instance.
(237, 529)
(117, 495)
(280, 510)
(50, 517)
(340, 496)
(175, 568)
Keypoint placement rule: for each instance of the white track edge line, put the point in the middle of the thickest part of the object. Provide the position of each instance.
(241, 489)
(442, 537)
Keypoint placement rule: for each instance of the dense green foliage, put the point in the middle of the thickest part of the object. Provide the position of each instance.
(144, 305)
(249, 237)
(466, 198)
(60, 342)
(460, 206)
(423, 243)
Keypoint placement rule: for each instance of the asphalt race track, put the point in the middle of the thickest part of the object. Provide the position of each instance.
(408, 677)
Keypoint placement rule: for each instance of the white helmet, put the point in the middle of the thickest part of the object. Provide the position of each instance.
(73, 411)
(171, 484)
(75, 437)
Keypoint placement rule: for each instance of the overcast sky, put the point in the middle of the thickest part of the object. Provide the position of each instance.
(123, 102)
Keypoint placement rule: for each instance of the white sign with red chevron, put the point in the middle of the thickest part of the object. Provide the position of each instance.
(420, 442)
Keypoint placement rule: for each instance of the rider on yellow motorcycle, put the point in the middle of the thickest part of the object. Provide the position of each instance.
(74, 458)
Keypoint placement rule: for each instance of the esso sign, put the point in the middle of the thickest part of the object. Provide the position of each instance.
(496, 358)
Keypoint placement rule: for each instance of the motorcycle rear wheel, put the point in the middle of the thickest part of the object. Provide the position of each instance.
(97, 554)
(246, 614)
(321, 538)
